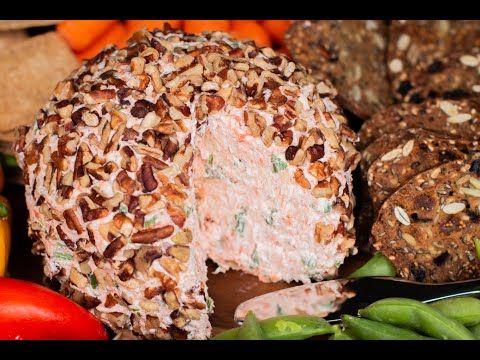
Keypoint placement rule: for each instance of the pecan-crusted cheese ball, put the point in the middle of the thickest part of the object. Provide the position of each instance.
(149, 159)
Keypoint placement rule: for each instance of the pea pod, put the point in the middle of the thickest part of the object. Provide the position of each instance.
(288, 327)
(378, 265)
(340, 334)
(476, 331)
(364, 329)
(466, 310)
(295, 327)
(231, 334)
(417, 316)
(250, 330)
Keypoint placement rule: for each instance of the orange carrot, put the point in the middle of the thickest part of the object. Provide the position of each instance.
(80, 34)
(251, 30)
(198, 26)
(117, 35)
(134, 25)
(276, 29)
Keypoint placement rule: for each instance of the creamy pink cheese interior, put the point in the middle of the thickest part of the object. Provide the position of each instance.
(252, 214)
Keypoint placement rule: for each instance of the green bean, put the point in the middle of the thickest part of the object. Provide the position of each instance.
(466, 310)
(475, 331)
(231, 334)
(477, 247)
(250, 330)
(378, 265)
(295, 327)
(417, 316)
(364, 329)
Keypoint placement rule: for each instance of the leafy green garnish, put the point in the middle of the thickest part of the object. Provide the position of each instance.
(278, 164)
(150, 222)
(210, 159)
(63, 256)
(240, 221)
(93, 281)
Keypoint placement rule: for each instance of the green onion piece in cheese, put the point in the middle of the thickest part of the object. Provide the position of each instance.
(63, 256)
(93, 281)
(150, 222)
(278, 164)
(240, 221)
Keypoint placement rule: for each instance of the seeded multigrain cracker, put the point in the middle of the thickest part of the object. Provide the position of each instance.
(387, 142)
(352, 53)
(427, 228)
(149, 159)
(456, 76)
(411, 157)
(28, 73)
(414, 42)
(455, 118)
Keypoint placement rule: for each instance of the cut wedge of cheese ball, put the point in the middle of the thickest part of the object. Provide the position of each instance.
(149, 159)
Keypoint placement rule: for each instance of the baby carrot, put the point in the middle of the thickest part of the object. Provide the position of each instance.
(276, 29)
(117, 35)
(80, 34)
(251, 30)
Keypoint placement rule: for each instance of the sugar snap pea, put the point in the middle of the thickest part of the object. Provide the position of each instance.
(378, 265)
(339, 334)
(466, 310)
(475, 331)
(364, 329)
(295, 327)
(287, 327)
(417, 316)
(250, 330)
(231, 334)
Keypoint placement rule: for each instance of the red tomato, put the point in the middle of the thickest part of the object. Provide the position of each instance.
(32, 312)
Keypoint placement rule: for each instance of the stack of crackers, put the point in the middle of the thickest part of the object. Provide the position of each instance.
(415, 88)
(30, 67)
